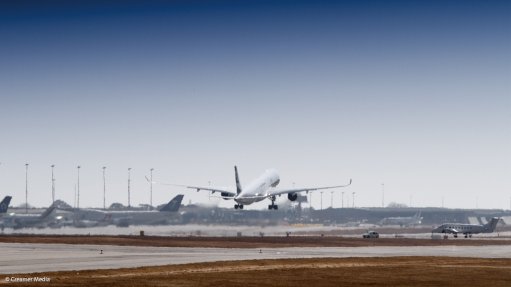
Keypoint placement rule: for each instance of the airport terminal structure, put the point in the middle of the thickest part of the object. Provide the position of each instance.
(63, 215)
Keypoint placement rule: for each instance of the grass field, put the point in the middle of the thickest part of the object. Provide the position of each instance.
(394, 271)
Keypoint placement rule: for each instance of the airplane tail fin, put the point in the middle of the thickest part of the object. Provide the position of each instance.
(238, 184)
(47, 212)
(492, 224)
(4, 205)
(173, 204)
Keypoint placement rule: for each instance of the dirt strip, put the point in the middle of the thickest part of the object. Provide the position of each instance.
(245, 242)
(394, 271)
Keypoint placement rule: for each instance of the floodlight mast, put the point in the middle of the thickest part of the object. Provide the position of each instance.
(129, 182)
(78, 188)
(151, 189)
(52, 185)
(104, 188)
(26, 188)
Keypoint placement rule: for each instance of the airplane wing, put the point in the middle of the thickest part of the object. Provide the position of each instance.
(213, 189)
(224, 190)
(278, 191)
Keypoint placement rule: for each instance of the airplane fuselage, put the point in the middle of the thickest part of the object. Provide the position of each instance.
(403, 221)
(257, 190)
(460, 228)
(467, 229)
(21, 220)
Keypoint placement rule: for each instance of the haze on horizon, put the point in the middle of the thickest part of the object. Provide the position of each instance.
(412, 94)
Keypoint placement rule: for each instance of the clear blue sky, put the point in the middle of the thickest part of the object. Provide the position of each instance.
(413, 94)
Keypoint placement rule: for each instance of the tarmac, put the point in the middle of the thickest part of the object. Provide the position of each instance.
(30, 258)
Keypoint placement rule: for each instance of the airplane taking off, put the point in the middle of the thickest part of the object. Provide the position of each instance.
(467, 229)
(259, 189)
(403, 221)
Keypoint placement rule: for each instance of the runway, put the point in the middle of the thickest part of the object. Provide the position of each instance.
(28, 258)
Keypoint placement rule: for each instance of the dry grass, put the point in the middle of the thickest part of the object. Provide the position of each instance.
(395, 271)
(243, 242)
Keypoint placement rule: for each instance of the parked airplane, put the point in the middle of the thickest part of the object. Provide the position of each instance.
(259, 189)
(403, 221)
(124, 218)
(4, 205)
(467, 229)
(17, 221)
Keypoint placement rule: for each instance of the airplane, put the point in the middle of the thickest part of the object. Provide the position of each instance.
(403, 220)
(259, 189)
(124, 218)
(4, 205)
(17, 221)
(467, 229)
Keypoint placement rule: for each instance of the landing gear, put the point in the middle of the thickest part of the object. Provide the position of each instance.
(466, 235)
(240, 206)
(273, 205)
(470, 235)
(455, 235)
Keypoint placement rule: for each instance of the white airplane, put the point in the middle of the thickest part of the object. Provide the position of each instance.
(467, 229)
(17, 221)
(403, 221)
(259, 189)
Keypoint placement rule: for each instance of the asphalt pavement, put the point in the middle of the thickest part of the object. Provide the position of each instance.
(28, 258)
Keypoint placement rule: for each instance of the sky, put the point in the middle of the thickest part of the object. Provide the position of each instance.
(410, 99)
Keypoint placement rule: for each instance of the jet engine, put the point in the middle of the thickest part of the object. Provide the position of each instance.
(292, 196)
(224, 195)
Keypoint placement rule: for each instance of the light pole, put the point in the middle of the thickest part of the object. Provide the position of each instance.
(209, 193)
(104, 188)
(129, 181)
(52, 185)
(331, 199)
(383, 195)
(78, 188)
(321, 200)
(353, 199)
(151, 195)
(342, 199)
(26, 188)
